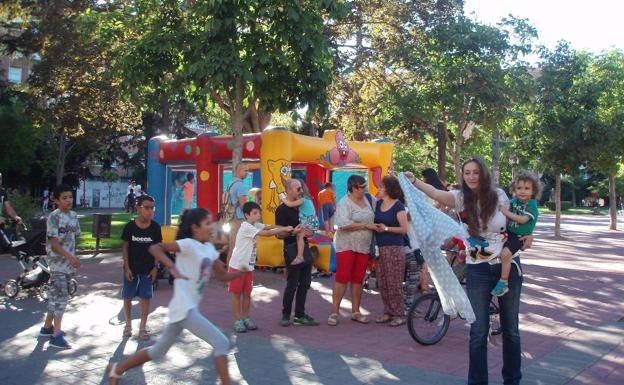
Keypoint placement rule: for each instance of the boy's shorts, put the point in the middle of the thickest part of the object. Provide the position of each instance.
(242, 284)
(58, 294)
(513, 242)
(140, 286)
(328, 210)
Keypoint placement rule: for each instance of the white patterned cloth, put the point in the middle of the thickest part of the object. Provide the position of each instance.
(431, 227)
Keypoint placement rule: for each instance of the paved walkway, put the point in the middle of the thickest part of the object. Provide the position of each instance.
(571, 325)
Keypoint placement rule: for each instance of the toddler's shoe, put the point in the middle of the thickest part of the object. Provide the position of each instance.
(500, 289)
(249, 324)
(59, 342)
(239, 326)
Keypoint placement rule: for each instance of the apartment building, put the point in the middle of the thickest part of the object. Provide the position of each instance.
(15, 68)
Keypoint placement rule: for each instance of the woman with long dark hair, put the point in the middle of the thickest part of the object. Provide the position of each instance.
(391, 222)
(478, 203)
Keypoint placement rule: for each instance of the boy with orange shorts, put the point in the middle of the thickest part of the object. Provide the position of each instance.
(244, 259)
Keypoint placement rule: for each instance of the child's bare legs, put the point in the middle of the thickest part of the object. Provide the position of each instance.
(245, 305)
(53, 320)
(236, 306)
(300, 245)
(127, 304)
(144, 310)
(502, 285)
(221, 364)
(138, 358)
(239, 324)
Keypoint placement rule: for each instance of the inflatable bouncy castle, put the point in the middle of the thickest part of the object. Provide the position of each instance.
(193, 172)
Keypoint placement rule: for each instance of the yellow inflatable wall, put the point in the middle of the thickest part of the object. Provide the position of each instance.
(281, 147)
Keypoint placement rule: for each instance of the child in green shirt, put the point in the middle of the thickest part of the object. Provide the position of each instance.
(522, 217)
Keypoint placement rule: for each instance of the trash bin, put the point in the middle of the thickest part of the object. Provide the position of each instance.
(101, 225)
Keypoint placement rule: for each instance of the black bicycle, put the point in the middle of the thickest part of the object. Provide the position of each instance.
(426, 321)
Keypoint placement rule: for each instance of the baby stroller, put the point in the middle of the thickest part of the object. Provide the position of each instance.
(30, 254)
(163, 273)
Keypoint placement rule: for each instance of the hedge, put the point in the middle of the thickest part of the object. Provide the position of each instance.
(565, 205)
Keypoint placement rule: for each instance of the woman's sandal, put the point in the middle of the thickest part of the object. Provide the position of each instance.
(144, 335)
(111, 373)
(358, 317)
(332, 320)
(397, 321)
(127, 332)
(383, 319)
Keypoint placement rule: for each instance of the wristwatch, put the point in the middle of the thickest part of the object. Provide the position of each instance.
(386, 229)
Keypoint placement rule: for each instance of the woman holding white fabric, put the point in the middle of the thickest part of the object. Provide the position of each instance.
(478, 202)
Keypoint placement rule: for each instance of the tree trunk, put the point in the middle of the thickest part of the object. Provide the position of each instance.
(496, 156)
(166, 115)
(612, 202)
(256, 120)
(60, 161)
(237, 117)
(442, 135)
(457, 157)
(558, 205)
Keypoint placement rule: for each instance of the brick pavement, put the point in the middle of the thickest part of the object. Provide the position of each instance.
(571, 305)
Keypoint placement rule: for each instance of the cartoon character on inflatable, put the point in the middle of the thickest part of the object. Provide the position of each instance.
(279, 170)
(342, 154)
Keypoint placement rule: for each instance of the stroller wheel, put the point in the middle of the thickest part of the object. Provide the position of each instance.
(72, 287)
(11, 288)
(44, 291)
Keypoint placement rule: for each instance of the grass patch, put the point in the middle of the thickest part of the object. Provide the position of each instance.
(578, 211)
(86, 241)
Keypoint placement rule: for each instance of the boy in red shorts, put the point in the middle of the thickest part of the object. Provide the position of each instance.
(244, 259)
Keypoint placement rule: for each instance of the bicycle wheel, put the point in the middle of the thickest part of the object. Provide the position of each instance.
(72, 287)
(44, 291)
(11, 288)
(426, 322)
(495, 325)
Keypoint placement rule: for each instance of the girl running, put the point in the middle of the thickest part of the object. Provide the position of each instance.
(195, 258)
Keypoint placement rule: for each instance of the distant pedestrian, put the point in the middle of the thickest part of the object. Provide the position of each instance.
(139, 268)
(130, 201)
(62, 230)
(196, 258)
(45, 199)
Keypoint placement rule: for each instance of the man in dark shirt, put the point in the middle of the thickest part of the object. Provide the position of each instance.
(300, 275)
